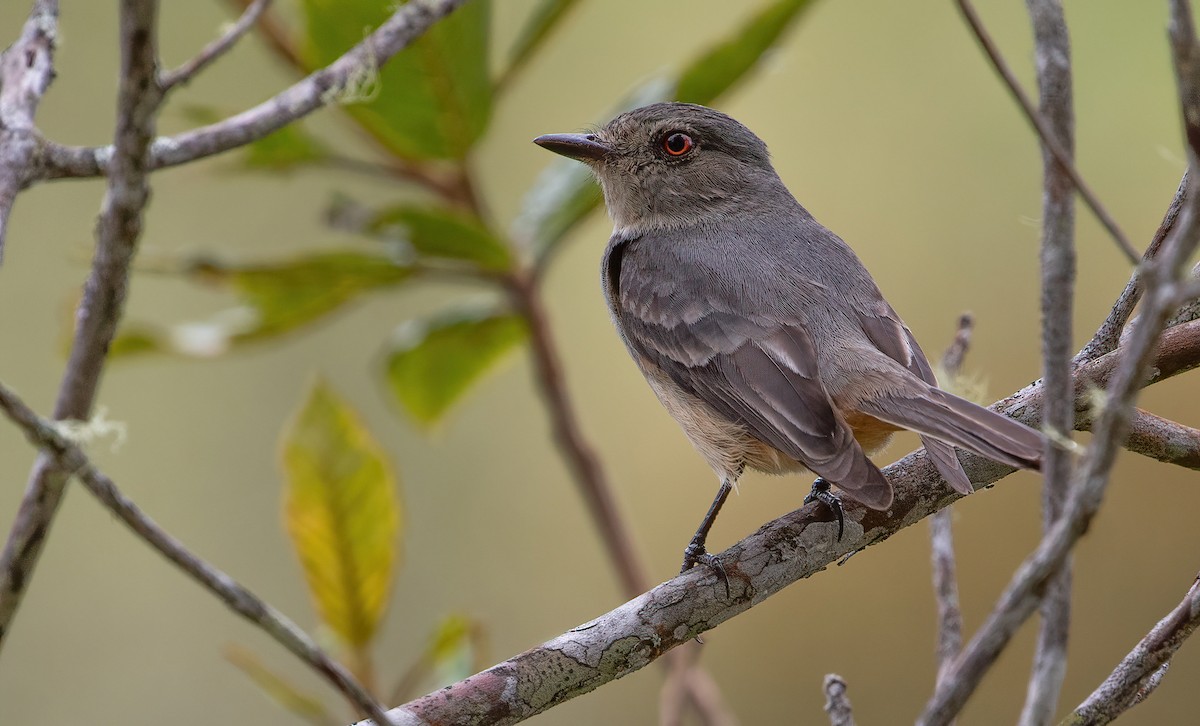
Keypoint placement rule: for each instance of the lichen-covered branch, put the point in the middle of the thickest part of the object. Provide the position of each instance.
(26, 70)
(318, 89)
(1052, 50)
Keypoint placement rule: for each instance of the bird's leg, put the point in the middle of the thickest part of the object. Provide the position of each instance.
(695, 552)
(821, 493)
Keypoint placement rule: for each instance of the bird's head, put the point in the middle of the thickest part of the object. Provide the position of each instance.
(671, 165)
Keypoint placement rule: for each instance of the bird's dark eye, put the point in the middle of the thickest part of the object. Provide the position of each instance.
(677, 143)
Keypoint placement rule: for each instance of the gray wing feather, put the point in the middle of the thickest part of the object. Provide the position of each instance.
(893, 338)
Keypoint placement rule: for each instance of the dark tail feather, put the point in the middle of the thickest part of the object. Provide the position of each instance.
(946, 461)
(950, 419)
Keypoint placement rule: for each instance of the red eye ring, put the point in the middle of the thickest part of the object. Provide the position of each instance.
(677, 143)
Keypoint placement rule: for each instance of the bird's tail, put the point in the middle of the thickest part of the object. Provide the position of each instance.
(945, 420)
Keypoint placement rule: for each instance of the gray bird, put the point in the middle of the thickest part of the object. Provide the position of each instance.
(759, 329)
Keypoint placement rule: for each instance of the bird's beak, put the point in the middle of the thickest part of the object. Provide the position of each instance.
(582, 147)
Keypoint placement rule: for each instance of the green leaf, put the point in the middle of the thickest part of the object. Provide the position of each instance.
(433, 99)
(342, 513)
(534, 32)
(714, 72)
(284, 150)
(287, 295)
(565, 193)
(432, 363)
(276, 298)
(296, 702)
(442, 233)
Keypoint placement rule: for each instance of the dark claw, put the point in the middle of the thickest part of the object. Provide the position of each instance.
(821, 493)
(695, 554)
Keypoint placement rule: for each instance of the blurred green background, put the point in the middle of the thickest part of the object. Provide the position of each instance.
(885, 122)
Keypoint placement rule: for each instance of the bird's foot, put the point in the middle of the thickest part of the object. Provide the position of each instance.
(821, 493)
(695, 554)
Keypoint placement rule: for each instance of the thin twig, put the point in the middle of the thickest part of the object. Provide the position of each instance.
(71, 461)
(941, 533)
(272, 29)
(1049, 140)
(318, 89)
(117, 233)
(1052, 49)
(1108, 336)
(837, 703)
(218, 47)
(793, 547)
(26, 70)
(1139, 673)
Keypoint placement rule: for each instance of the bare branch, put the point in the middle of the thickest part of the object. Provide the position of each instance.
(26, 70)
(117, 233)
(71, 461)
(941, 533)
(788, 549)
(1053, 55)
(837, 703)
(1162, 439)
(1139, 673)
(217, 48)
(1108, 336)
(318, 89)
(1049, 140)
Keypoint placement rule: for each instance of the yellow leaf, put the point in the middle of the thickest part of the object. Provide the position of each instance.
(342, 513)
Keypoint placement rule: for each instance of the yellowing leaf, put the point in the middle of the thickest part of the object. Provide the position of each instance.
(434, 362)
(342, 513)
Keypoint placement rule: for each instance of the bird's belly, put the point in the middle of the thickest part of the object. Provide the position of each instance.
(727, 446)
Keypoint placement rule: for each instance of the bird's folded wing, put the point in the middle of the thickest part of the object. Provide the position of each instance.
(763, 376)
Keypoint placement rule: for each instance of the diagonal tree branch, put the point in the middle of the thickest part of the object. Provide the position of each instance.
(1049, 141)
(318, 89)
(26, 70)
(793, 547)
(214, 50)
(117, 233)
(1139, 672)
(1108, 336)
(1053, 54)
(70, 460)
